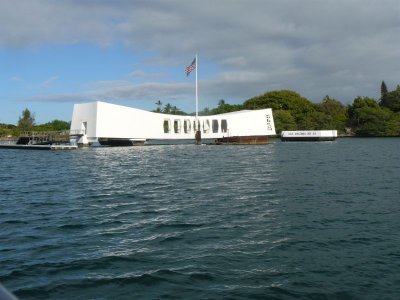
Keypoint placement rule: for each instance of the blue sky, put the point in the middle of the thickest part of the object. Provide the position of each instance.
(133, 52)
(47, 78)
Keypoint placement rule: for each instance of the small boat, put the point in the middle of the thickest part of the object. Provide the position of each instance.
(308, 135)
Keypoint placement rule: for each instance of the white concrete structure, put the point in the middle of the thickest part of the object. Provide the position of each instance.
(111, 124)
(309, 135)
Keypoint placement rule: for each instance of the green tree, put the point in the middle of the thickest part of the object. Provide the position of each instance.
(333, 114)
(205, 112)
(8, 130)
(391, 100)
(224, 107)
(353, 109)
(384, 89)
(310, 120)
(170, 109)
(283, 120)
(159, 104)
(369, 119)
(301, 109)
(55, 125)
(377, 122)
(26, 121)
(283, 99)
(167, 108)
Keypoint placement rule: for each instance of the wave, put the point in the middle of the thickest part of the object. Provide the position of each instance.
(113, 285)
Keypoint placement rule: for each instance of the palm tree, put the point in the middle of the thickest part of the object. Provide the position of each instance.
(158, 103)
(167, 108)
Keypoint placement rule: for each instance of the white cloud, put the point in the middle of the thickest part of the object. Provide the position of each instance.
(341, 48)
(140, 74)
(118, 91)
(48, 82)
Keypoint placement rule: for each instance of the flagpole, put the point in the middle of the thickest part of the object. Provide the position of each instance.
(195, 65)
(197, 95)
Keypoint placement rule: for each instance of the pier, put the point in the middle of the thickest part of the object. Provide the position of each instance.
(43, 137)
(41, 140)
(39, 147)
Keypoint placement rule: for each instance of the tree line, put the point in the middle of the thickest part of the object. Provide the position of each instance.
(366, 116)
(26, 122)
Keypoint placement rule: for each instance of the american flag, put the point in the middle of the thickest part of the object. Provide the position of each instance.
(190, 67)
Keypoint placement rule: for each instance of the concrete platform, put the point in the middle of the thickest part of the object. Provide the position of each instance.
(38, 147)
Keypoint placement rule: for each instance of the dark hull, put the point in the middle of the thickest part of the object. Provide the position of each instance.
(39, 147)
(115, 142)
(307, 139)
(243, 140)
(234, 140)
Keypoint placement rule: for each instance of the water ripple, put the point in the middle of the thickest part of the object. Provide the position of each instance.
(281, 221)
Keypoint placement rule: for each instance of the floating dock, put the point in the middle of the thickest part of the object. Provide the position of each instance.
(38, 147)
(309, 135)
(44, 140)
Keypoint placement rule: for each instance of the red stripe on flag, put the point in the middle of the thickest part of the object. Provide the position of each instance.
(190, 67)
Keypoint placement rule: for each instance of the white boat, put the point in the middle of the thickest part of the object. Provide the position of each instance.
(116, 125)
(309, 135)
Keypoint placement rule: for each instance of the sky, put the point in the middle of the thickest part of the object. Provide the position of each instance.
(54, 54)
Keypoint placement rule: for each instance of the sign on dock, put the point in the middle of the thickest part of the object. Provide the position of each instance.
(309, 135)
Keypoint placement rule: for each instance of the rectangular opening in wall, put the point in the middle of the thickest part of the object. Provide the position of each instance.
(186, 126)
(206, 126)
(215, 126)
(167, 126)
(177, 126)
(84, 128)
(224, 125)
(195, 128)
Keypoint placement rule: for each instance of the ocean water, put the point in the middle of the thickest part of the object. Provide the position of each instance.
(279, 221)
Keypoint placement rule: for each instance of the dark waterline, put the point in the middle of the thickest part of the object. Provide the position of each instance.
(278, 221)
